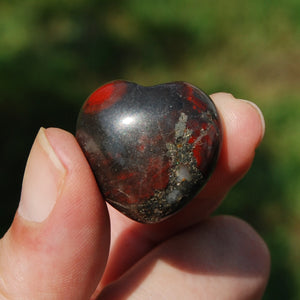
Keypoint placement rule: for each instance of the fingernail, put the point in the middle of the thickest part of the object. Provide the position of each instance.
(263, 124)
(43, 180)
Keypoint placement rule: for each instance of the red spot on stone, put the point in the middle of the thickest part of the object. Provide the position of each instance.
(156, 177)
(141, 148)
(204, 126)
(192, 140)
(197, 152)
(105, 96)
(157, 173)
(196, 100)
(124, 175)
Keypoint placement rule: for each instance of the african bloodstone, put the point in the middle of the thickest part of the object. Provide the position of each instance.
(151, 148)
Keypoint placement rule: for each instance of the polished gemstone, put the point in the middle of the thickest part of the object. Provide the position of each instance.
(151, 148)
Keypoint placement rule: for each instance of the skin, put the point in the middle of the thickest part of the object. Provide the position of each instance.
(189, 256)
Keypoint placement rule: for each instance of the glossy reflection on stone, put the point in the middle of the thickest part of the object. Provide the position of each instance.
(151, 148)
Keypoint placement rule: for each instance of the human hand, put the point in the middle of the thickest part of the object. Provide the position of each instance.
(58, 244)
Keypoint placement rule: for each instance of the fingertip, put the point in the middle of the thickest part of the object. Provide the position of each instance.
(241, 114)
(83, 202)
(44, 179)
(243, 131)
(238, 253)
(251, 244)
(57, 248)
(247, 251)
(65, 145)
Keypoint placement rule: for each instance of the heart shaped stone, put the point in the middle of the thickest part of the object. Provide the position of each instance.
(151, 149)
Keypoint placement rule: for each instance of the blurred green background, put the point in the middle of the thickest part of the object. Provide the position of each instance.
(53, 54)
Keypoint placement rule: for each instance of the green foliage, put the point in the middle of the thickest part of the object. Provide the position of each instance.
(53, 54)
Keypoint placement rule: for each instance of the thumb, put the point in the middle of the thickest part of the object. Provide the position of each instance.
(57, 245)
